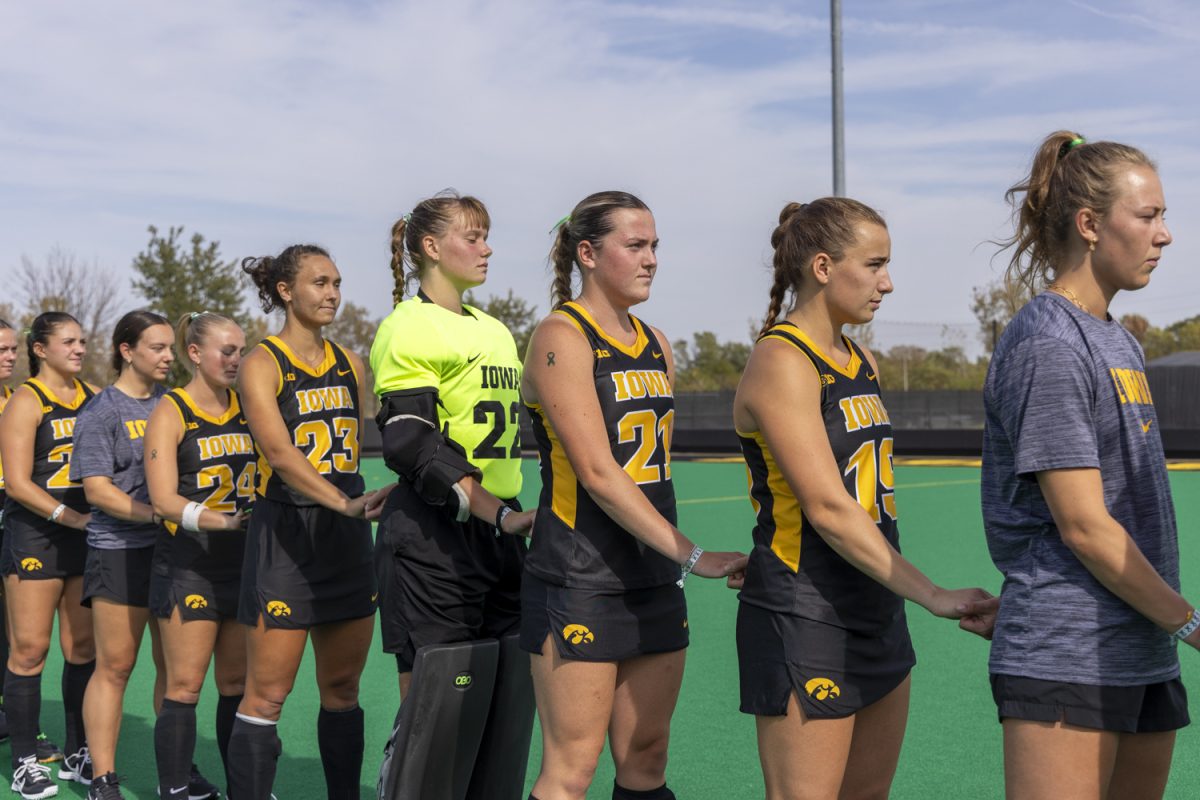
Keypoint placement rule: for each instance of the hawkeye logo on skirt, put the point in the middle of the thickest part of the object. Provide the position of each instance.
(278, 608)
(577, 634)
(822, 689)
(195, 601)
(31, 564)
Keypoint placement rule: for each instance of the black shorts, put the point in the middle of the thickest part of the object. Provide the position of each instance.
(834, 672)
(442, 581)
(38, 549)
(305, 566)
(200, 572)
(119, 576)
(1150, 708)
(602, 625)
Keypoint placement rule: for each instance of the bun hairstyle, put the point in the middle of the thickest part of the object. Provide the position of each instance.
(827, 225)
(39, 332)
(268, 272)
(1067, 174)
(430, 217)
(590, 221)
(195, 327)
(129, 329)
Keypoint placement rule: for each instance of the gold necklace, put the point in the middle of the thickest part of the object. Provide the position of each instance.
(1067, 293)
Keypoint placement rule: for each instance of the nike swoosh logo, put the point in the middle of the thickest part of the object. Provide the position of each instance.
(656, 355)
(343, 372)
(241, 421)
(473, 358)
(1146, 425)
(374, 596)
(871, 376)
(180, 790)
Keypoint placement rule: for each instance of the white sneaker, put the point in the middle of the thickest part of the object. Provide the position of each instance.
(32, 781)
(77, 767)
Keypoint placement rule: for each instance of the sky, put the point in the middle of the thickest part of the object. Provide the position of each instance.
(260, 124)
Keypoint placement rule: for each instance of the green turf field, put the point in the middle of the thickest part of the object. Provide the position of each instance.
(952, 749)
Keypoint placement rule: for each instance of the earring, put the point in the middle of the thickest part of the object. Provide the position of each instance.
(1091, 245)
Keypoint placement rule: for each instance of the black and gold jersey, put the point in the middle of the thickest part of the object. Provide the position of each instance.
(320, 408)
(216, 459)
(52, 446)
(574, 543)
(792, 570)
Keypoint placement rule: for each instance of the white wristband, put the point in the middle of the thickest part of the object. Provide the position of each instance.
(58, 512)
(689, 565)
(1188, 627)
(190, 519)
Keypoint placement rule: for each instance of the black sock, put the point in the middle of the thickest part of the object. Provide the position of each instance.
(23, 704)
(75, 679)
(254, 750)
(340, 739)
(3, 641)
(661, 793)
(227, 706)
(174, 744)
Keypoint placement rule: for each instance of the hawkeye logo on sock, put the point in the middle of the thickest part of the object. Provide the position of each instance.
(822, 689)
(578, 634)
(195, 601)
(278, 608)
(31, 564)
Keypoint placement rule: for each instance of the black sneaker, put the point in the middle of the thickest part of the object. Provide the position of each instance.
(47, 751)
(77, 767)
(31, 780)
(106, 787)
(200, 787)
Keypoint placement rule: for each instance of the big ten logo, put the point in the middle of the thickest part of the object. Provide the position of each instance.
(63, 428)
(634, 384)
(225, 444)
(136, 428)
(311, 401)
(577, 634)
(863, 411)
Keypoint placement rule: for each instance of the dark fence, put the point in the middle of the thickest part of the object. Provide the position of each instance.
(948, 423)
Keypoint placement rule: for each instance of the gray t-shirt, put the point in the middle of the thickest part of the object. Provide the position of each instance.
(1068, 390)
(109, 433)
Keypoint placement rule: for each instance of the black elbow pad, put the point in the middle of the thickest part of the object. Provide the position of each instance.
(415, 449)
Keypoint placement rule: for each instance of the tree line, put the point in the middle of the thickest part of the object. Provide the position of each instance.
(176, 273)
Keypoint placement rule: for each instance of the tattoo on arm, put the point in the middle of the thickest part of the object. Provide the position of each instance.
(550, 359)
(153, 455)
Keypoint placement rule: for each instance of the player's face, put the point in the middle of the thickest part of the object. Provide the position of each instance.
(1129, 241)
(153, 354)
(860, 280)
(8, 352)
(218, 357)
(463, 254)
(316, 294)
(64, 349)
(627, 259)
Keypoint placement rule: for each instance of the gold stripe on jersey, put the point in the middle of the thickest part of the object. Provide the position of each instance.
(632, 350)
(791, 333)
(235, 408)
(564, 484)
(299, 363)
(786, 514)
(81, 394)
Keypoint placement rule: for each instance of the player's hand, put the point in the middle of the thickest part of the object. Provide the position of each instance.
(356, 507)
(518, 523)
(979, 616)
(73, 519)
(950, 603)
(714, 564)
(735, 580)
(236, 521)
(374, 507)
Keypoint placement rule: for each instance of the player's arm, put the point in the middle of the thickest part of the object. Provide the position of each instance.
(415, 449)
(1105, 548)
(795, 433)
(375, 498)
(257, 381)
(558, 376)
(18, 430)
(164, 432)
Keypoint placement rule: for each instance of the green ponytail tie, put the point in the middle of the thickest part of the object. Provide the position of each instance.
(564, 221)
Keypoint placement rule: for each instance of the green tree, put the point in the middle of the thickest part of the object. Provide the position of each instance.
(178, 277)
(708, 364)
(517, 315)
(993, 305)
(354, 329)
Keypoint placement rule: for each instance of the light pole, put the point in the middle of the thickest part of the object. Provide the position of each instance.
(839, 144)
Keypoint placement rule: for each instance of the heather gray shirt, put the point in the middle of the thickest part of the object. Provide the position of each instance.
(1068, 390)
(109, 433)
